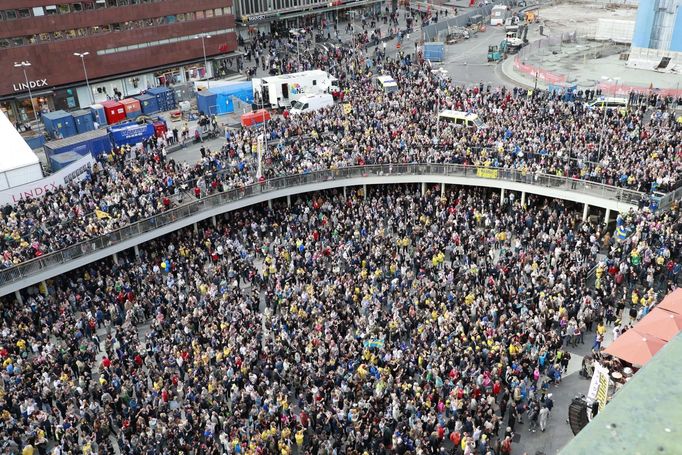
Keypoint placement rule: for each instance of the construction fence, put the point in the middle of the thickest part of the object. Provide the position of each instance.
(440, 30)
(526, 61)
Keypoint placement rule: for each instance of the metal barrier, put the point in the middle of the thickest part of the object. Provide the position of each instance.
(34, 266)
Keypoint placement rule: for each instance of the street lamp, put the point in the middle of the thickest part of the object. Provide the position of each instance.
(87, 82)
(603, 126)
(203, 37)
(23, 66)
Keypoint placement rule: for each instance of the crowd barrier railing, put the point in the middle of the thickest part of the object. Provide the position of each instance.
(57, 258)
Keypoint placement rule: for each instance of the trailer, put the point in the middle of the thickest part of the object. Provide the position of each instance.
(280, 91)
(499, 14)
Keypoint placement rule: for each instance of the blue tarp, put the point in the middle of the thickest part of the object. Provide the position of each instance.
(223, 103)
(434, 51)
(130, 133)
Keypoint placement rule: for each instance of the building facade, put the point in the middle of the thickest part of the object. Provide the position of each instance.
(282, 15)
(657, 39)
(131, 45)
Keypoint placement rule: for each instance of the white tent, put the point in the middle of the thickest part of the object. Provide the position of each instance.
(18, 163)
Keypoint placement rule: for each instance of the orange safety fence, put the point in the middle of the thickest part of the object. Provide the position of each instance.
(535, 71)
(612, 89)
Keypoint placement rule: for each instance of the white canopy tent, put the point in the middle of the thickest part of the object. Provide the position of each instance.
(18, 163)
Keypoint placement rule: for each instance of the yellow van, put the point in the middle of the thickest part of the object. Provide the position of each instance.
(461, 119)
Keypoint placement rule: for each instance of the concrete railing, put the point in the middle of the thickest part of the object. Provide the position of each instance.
(52, 264)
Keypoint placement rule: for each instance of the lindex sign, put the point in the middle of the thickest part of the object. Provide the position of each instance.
(31, 84)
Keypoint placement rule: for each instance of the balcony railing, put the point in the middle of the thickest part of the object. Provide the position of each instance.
(34, 266)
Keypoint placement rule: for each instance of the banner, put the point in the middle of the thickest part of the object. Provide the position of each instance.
(130, 133)
(486, 173)
(599, 387)
(39, 188)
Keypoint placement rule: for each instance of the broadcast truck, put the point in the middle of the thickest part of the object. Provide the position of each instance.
(278, 92)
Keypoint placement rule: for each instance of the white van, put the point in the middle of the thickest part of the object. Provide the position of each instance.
(619, 104)
(461, 119)
(387, 84)
(309, 103)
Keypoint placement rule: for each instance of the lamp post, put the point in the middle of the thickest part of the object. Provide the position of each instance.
(23, 66)
(87, 82)
(603, 125)
(260, 140)
(204, 37)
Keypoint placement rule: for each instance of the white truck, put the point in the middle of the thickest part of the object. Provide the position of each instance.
(280, 91)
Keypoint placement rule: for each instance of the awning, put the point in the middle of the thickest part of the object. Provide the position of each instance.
(660, 323)
(635, 347)
(672, 302)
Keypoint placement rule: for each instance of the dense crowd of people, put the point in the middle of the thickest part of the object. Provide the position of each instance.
(537, 133)
(385, 323)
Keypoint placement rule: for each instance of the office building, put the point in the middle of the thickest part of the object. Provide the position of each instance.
(657, 41)
(124, 47)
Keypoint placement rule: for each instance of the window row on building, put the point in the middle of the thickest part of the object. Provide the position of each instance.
(116, 27)
(66, 8)
(249, 7)
(133, 47)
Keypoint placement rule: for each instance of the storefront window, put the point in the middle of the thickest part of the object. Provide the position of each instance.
(25, 110)
(168, 77)
(6, 108)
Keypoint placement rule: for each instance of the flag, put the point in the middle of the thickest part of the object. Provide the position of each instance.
(101, 215)
(374, 343)
(620, 234)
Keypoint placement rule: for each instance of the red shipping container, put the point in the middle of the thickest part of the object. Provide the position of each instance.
(255, 117)
(114, 111)
(160, 129)
(132, 105)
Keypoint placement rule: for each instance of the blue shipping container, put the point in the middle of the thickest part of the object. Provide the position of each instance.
(434, 52)
(130, 133)
(62, 160)
(164, 96)
(35, 142)
(206, 102)
(94, 142)
(59, 124)
(148, 103)
(83, 121)
(98, 114)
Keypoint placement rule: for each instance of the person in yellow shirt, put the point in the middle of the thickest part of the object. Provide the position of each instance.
(601, 329)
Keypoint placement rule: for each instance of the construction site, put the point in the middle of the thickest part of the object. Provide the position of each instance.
(586, 45)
